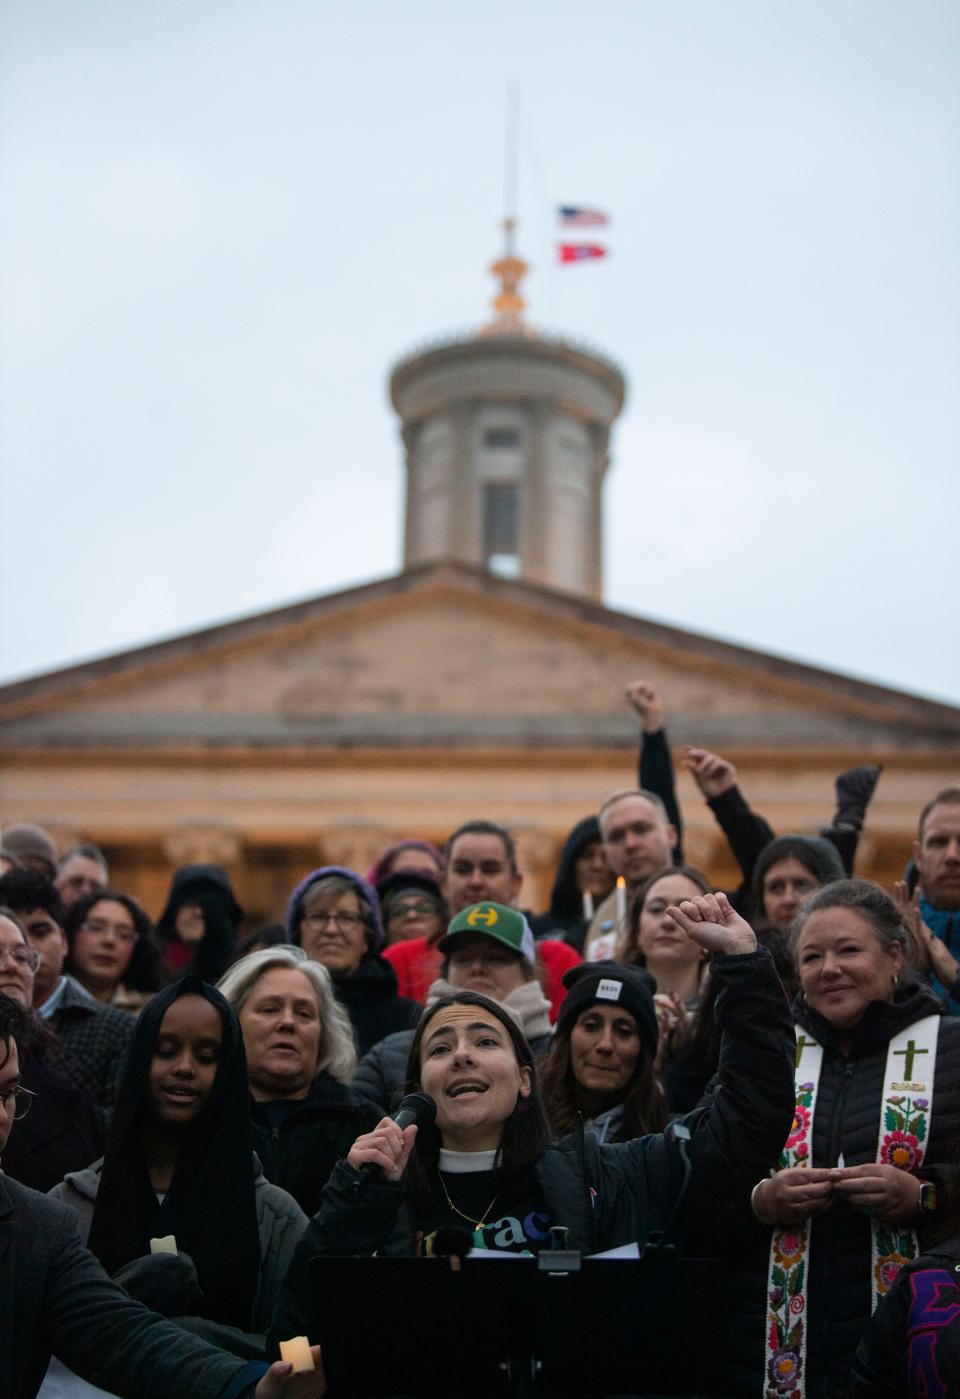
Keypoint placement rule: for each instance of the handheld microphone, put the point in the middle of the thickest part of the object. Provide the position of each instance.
(416, 1108)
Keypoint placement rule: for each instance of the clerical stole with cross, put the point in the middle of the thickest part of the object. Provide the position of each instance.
(904, 1130)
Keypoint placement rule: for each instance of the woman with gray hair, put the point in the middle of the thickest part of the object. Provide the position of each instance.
(300, 1058)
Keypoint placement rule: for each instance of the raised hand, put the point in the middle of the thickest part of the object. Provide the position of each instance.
(642, 697)
(713, 923)
(927, 952)
(386, 1146)
(713, 775)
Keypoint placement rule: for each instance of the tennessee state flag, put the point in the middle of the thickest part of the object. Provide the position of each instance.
(580, 252)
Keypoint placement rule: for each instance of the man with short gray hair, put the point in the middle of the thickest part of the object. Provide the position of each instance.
(638, 839)
(82, 871)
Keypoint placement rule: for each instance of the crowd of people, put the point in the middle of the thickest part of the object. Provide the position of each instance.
(192, 1114)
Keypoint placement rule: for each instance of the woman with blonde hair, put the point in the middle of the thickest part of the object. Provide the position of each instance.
(300, 1058)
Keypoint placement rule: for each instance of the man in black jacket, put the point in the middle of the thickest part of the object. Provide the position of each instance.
(58, 1298)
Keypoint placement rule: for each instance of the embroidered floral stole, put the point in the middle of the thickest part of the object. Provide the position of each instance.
(904, 1125)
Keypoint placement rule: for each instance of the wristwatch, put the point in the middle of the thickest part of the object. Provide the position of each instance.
(929, 1199)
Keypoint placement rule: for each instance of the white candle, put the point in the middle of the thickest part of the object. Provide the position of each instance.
(621, 902)
(166, 1244)
(297, 1351)
(588, 905)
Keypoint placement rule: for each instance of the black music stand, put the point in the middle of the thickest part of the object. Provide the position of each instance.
(417, 1326)
(649, 1326)
(557, 1327)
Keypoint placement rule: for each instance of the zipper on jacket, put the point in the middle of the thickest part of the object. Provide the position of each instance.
(834, 1138)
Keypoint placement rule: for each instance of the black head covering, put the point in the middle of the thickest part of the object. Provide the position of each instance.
(612, 983)
(566, 900)
(207, 886)
(817, 855)
(210, 1206)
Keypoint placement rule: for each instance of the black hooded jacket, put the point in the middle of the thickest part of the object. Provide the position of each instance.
(210, 1206)
(565, 914)
(847, 1121)
(209, 887)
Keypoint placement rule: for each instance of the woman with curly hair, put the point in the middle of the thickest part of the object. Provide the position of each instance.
(112, 950)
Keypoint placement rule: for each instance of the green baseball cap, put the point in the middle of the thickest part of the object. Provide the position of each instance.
(504, 925)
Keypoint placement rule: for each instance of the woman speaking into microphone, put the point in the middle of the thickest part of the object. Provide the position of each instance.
(489, 1165)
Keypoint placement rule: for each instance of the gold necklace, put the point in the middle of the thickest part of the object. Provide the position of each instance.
(474, 1223)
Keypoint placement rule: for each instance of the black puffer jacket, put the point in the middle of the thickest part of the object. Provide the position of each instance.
(847, 1121)
(299, 1151)
(609, 1195)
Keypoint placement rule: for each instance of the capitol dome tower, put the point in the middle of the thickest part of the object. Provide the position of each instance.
(507, 437)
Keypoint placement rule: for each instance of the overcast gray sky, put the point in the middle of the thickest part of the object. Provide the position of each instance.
(223, 221)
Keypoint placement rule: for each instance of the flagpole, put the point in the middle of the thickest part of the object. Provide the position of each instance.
(510, 165)
(509, 269)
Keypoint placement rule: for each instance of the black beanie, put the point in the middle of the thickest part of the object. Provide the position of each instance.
(819, 856)
(612, 983)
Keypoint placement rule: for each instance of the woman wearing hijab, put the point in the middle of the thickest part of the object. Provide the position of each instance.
(198, 928)
(179, 1165)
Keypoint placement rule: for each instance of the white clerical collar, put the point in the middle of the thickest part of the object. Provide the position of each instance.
(460, 1162)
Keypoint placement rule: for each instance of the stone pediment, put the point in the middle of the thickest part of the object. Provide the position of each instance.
(448, 655)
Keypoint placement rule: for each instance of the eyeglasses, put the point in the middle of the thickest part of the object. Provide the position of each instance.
(99, 927)
(16, 1102)
(345, 921)
(492, 956)
(23, 956)
(398, 911)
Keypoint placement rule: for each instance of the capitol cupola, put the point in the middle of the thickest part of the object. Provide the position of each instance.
(507, 437)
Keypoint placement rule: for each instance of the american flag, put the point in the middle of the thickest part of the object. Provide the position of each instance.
(573, 216)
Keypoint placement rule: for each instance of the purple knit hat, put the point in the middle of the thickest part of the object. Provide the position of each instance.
(365, 893)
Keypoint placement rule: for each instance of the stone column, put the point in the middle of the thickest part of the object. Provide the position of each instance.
(203, 843)
(465, 543)
(356, 847)
(537, 508)
(410, 433)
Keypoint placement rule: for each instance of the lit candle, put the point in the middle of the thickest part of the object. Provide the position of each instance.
(166, 1244)
(297, 1351)
(621, 903)
(588, 904)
